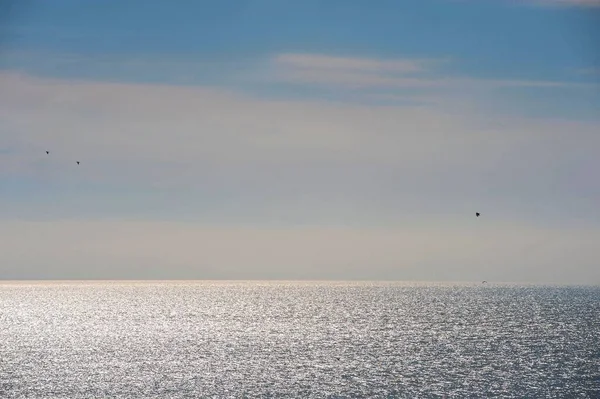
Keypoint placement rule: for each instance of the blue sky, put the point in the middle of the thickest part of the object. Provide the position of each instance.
(374, 119)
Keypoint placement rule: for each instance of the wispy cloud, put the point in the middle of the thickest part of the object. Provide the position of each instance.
(365, 73)
(361, 75)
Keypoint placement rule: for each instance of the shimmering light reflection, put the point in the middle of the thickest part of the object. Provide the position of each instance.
(297, 339)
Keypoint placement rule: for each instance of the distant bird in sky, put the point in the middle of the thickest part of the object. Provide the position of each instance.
(77, 162)
(477, 214)
(47, 152)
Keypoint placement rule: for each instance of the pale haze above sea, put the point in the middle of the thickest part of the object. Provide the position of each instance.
(220, 339)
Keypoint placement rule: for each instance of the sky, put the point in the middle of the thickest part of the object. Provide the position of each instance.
(272, 139)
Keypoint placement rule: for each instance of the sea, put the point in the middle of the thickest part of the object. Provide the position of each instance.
(286, 339)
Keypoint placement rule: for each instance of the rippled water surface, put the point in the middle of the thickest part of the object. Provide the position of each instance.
(297, 339)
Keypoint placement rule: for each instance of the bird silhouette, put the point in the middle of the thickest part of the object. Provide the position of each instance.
(77, 162)
(477, 214)
(47, 152)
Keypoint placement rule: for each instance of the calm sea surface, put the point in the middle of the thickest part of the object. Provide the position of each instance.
(297, 340)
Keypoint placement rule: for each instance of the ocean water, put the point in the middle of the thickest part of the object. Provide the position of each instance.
(297, 340)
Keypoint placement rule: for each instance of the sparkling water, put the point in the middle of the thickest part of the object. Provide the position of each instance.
(297, 340)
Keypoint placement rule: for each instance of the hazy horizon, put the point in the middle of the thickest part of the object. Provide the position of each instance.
(235, 140)
(445, 283)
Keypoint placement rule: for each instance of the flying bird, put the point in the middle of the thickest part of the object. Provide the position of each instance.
(47, 152)
(477, 214)
(77, 162)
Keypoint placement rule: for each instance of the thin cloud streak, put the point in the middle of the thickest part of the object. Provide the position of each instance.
(364, 73)
(365, 81)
